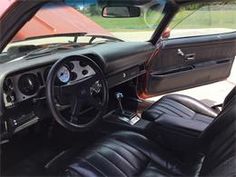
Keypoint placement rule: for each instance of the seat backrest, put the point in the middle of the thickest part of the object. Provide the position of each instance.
(229, 96)
(219, 142)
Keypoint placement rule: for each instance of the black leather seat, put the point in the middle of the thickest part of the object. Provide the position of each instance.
(183, 111)
(129, 154)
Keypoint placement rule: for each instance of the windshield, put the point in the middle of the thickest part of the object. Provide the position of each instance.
(82, 22)
(138, 28)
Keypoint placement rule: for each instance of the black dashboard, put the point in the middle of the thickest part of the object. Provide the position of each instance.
(23, 81)
(28, 84)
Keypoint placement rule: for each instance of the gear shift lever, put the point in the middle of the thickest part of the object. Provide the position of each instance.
(119, 96)
(123, 112)
(125, 116)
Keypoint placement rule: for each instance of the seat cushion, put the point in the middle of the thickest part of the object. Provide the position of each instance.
(179, 105)
(180, 111)
(130, 154)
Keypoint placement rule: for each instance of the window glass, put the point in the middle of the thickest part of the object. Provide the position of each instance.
(128, 29)
(204, 19)
(83, 22)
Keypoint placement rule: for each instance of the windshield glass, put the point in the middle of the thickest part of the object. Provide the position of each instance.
(83, 22)
(128, 29)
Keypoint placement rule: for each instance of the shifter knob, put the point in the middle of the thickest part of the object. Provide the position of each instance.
(119, 96)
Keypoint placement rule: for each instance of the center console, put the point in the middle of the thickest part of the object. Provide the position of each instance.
(125, 119)
(178, 138)
(124, 115)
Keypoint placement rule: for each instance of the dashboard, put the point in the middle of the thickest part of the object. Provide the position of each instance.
(28, 84)
(23, 81)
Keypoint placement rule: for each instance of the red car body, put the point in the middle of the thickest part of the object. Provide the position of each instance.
(48, 22)
(5, 5)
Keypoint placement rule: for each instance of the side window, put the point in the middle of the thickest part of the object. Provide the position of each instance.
(204, 19)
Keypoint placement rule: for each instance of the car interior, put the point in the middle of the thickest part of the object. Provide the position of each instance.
(69, 111)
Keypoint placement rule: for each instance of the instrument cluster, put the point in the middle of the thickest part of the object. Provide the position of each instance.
(26, 85)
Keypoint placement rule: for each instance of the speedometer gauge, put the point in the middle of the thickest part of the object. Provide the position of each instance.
(63, 74)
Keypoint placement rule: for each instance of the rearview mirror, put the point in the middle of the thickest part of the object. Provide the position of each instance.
(121, 12)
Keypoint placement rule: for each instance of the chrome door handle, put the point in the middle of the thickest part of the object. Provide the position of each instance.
(190, 57)
(187, 57)
(180, 52)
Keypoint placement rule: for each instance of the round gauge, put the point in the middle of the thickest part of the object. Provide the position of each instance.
(70, 65)
(28, 84)
(7, 85)
(63, 74)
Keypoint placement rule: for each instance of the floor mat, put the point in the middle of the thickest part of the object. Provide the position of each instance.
(28, 154)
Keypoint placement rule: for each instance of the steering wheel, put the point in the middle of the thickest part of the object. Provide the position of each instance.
(77, 92)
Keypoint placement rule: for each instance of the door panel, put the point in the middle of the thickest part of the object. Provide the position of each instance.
(188, 62)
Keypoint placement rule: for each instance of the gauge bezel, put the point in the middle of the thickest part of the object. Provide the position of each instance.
(36, 84)
(58, 77)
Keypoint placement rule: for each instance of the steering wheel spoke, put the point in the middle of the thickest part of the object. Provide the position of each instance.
(95, 103)
(75, 109)
(61, 98)
(62, 107)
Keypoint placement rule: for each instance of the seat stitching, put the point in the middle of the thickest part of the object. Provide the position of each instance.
(143, 153)
(200, 120)
(119, 155)
(165, 102)
(144, 165)
(74, 171)
(174, 111)
(180, 104)
(89, 163)
(116, 166)
(123, 142)
(170, 110)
